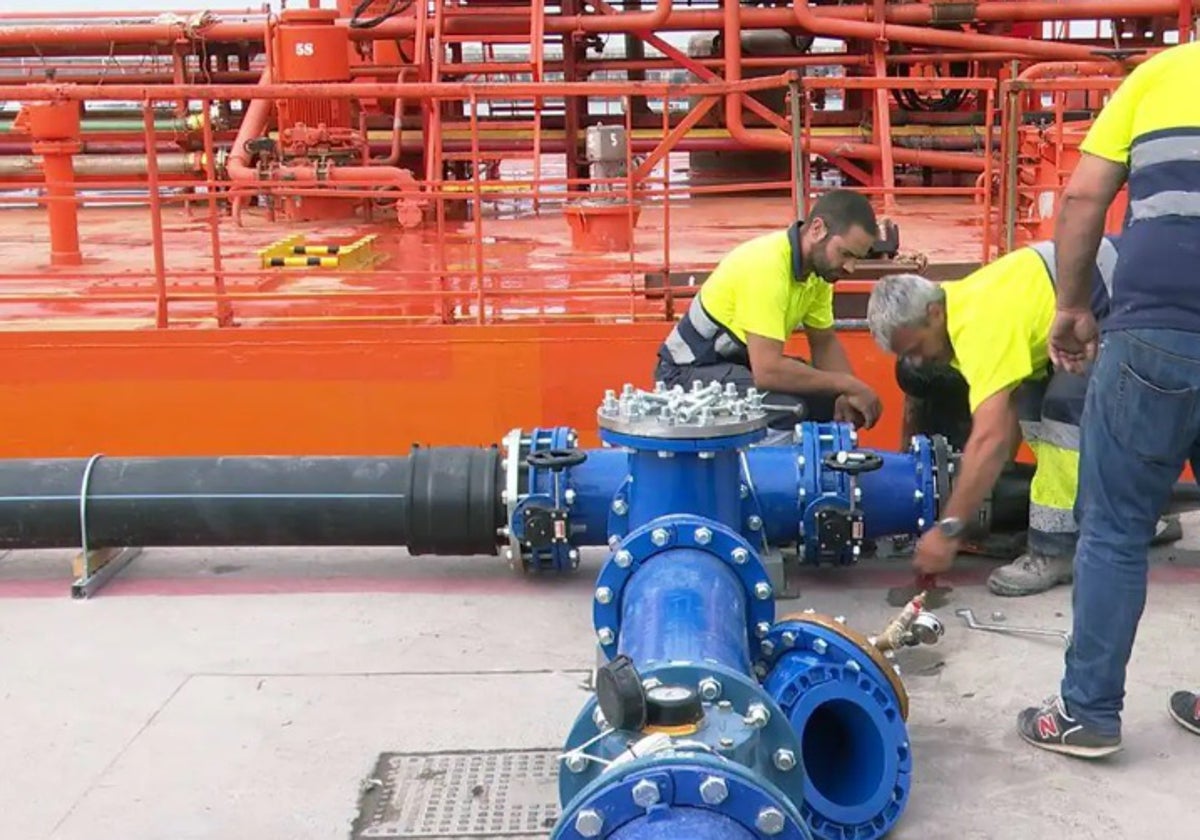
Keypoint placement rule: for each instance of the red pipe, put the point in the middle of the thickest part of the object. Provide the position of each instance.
(862, 30)
(1007, 10)
(777, 141)
(334, 90)
(393, 156)
(663, 17)
(63, 212)
(1055, 69)
(229, 77)
(254, 125)
(140, 14)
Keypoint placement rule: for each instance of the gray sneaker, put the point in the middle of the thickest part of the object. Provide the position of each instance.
(1029, 574)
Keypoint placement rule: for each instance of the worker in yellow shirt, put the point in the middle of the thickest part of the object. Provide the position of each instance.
(992, 328)
(763, 291)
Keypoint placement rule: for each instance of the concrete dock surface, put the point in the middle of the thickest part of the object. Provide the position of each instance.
(248, 693)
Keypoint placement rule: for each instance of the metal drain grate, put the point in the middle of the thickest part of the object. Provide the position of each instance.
(454, 795)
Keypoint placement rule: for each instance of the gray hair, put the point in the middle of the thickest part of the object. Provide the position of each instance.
(900, 300)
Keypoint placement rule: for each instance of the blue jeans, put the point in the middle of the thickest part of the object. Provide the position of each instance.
(1141, 423)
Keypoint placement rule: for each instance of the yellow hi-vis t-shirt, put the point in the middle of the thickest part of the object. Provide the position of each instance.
(754, 290)
(999, 318)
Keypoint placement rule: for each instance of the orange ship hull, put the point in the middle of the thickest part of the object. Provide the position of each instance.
(335, 390)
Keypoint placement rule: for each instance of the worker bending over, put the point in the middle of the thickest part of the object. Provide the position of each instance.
(763, 291)
(992, 327)
(1141, 422)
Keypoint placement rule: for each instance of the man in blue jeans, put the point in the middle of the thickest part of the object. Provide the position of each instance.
(1141, 418)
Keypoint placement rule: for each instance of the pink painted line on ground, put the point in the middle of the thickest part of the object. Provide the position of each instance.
(825, 580)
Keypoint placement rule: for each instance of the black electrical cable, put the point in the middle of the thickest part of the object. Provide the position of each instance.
(393, 9)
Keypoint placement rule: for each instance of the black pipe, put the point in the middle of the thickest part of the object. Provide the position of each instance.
(444, 500)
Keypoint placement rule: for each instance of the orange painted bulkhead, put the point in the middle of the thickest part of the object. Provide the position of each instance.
(336, 390)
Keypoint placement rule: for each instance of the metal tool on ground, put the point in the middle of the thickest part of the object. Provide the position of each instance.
(968, 616)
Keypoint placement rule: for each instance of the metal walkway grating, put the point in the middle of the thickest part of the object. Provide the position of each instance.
(453, 795)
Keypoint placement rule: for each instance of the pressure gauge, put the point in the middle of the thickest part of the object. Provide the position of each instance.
(673, 705)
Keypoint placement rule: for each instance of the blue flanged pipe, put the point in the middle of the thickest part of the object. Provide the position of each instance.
(777, 496)
(681, 738)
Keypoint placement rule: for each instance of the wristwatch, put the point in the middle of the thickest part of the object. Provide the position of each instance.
(952, 527)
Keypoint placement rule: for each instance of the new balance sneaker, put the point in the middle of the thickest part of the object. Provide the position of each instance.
(1185, 708)
(1050, 728)
(1030, 574)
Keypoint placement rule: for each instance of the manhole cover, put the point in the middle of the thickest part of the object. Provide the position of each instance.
(460, 795)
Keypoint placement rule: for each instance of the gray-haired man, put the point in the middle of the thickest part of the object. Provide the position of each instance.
(992, 327)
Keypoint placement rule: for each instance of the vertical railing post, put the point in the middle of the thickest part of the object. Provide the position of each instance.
(629, 207)
(1013, 109)
(668, 289)
(477, 204)
(224, 310)
(156, 226)
(988, 124)
(798, 185)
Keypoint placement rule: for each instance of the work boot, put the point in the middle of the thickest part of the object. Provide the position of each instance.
(1051, 728)
(1029, 574)
(1185, 708)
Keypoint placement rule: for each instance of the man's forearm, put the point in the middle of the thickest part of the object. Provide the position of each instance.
(982, 462)
(831, 356)
(1076, 240)
(791, 376)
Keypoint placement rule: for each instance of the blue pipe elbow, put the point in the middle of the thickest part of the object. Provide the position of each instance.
(849, 717)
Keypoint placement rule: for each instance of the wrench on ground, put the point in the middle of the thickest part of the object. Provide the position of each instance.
(968, 616)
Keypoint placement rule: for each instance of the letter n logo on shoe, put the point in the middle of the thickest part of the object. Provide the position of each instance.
(1196, 710)
(1047, 726)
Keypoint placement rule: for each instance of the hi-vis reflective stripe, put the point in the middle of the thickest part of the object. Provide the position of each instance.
(1170, 203)
(1054, 432)
(1051, 520)
(1053, 488)
(697, 338)
(1106, 261)
(1181, 146)
(1165, 150)
(681, 354)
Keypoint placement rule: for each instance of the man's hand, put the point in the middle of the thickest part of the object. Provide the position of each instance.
(863, 400)
(844, 412)
(1073, 339)
(935, 552)
(919, 260)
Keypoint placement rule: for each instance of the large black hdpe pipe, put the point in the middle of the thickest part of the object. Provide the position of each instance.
(444, 500)
(439, 500)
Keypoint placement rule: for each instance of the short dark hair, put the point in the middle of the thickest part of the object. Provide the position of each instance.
(841, 210)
